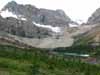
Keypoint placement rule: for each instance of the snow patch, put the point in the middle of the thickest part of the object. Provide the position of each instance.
(54, 29)
(24, 19)
(7, 13)
(73, 25)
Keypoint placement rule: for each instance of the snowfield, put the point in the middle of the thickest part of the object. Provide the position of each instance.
(7, 13)
(54, 29)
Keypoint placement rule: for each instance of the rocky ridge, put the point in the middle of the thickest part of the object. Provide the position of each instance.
(36, 27)
(95, 17)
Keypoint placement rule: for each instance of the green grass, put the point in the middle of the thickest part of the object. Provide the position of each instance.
(17, 61)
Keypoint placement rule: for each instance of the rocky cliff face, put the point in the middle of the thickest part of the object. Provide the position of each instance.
(25, 20)
(22, 28)
(44, 16)
(28, 25)
(91, 37)
(95, 17)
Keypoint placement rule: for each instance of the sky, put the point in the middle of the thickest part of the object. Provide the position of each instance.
(77, 10)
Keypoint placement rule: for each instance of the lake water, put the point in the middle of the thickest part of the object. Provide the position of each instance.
(76, 54)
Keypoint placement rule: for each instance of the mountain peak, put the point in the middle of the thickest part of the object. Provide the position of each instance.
(28, 21)
(10, 5)
(95, 17)
(39, 15)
